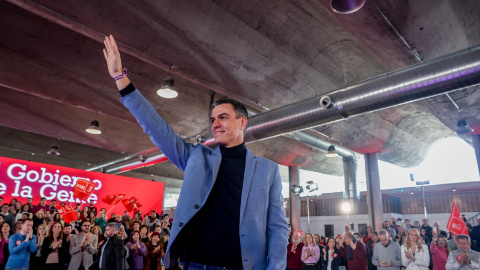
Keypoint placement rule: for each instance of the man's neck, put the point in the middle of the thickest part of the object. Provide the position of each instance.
(23, 232)
(85, 233)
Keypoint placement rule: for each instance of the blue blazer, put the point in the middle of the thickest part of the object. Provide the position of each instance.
(263, 225)
(335, 262)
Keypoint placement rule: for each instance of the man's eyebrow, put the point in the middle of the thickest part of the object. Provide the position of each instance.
(222, 114)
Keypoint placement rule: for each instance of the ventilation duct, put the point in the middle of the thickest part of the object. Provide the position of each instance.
(424, 80)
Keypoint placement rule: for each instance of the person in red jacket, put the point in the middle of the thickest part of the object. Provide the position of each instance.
(294, 252)
(354, 252)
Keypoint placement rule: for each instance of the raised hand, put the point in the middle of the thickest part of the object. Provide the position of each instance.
(112, 56)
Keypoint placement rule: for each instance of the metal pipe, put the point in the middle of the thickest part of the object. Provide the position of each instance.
(318, 143)
(424, 80)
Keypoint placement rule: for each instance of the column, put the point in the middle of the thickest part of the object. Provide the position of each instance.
(374, 194)
(476, 146)
(294, 179)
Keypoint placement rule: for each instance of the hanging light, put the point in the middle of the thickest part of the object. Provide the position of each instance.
(54, 151)
(454, 189)
(167, 90)
(411, 191)
(462, 127)
(331, 152)
(346, 6)
(94, 128)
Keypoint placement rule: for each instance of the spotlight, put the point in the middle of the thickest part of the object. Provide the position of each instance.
(296, 190)
(54, 151)
(454, 189)
(346, 207)
(462, 127)
(167, 90)
(94, 128)
(411, 191)
(346, 6)
(311, 186)
(331, 152)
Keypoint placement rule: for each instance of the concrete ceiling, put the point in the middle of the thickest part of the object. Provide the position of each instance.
(266, 54)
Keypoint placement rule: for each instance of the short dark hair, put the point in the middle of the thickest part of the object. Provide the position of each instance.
(86, 220)
(43, 198)
(67, 225)
(53, 200)
(239, 108)
(407, 219)
(463, 236)
(375, 232)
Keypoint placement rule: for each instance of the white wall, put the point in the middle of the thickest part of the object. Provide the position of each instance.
(317, 223)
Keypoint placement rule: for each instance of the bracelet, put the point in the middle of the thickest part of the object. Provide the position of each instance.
(122, 75)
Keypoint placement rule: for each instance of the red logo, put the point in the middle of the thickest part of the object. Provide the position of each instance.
(18, 242)
(335, 255)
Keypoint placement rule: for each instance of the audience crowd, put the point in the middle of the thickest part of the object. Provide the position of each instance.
(36, 237)
(394, 247)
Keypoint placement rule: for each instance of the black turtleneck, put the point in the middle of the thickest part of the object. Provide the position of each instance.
(213, 236)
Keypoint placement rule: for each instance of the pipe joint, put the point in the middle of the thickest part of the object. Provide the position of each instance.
(326, 102)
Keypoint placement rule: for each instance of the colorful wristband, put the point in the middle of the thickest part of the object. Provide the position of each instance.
(122, 75)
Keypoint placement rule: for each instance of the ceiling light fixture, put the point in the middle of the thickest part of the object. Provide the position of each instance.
(346, 6)
(331, 152)
(94, 127)
(167, 90)
(454, 189)
(54, 151)
(462, 127)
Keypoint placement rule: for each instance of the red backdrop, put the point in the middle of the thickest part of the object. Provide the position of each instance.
(22, 179)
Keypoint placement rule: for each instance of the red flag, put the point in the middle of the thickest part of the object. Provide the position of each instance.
(68, 213)
(131, 204)
(455, 224)
(83, 189)
(113, 199)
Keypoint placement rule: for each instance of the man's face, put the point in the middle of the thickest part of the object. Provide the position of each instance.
(109, 231)
(407, 223)
(383, 239)
(348, 240)
(463, 244)
(136, 226)
(226, 128)
(27, 226)
(416, 224)
(52, 203)
(374, 237)
(43, 202)
(86, 227)
(295, 236)
(29, 200)
(91, 202)
(47, 214)
(114, 215)
(425, 222)
(347, 228)
(67, 230)
(5, 208)
(385, 224)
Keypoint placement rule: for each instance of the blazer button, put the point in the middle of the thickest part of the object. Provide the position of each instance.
(197, 206)
(180, 224)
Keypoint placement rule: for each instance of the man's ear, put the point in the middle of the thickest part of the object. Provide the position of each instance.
(244, 122)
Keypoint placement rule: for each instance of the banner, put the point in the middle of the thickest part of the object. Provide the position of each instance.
(131, 204)
(455, 224)
(68, 213)
(83, 189)
(113, 199)
(23, 179)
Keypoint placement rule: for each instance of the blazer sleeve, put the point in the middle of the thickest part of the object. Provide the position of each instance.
(75, 247)
(119, 250)
(277, 228)
(92, 248)
(161, 134)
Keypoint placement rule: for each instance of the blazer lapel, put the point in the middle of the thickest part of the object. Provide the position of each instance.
(250, 164)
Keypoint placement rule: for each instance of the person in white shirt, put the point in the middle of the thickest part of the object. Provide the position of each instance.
(415, 255)
(463, 258)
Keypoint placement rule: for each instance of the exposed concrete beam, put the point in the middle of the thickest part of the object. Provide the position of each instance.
(70, 24)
